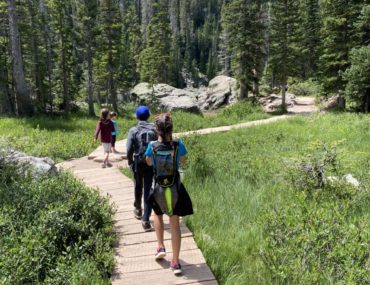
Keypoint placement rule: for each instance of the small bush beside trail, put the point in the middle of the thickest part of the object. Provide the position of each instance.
(305, 88)
(322, 235)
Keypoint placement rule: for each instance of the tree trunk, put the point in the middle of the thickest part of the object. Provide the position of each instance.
(48, 48)
(66, 97)
(90, 80)
(243, 92)
(366, 101)
(5, 102)
(283, 95)
(111, 87)
(24, 104)
(36, 73)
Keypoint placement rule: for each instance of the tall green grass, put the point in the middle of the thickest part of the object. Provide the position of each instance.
(235, 177)
(62, 138)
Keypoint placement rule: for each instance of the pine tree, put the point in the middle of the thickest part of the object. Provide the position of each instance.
(242, 21)
(108, 58)
(311, 36)
(6, 102)
(154, 59)
(337, 35)
(24, 104)
(284, 42)
(60, 12)
(88, 11)
(357, 75)
(132, 46)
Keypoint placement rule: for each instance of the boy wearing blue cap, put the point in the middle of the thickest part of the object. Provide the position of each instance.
(138, 140)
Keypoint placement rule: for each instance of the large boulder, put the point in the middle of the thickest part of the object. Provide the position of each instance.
(222, 90)
(335, 102)
(165, 96)
(27, 164)
(273, 102)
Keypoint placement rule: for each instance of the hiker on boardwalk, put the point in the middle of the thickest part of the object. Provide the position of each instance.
(169, 195)
(138, 140)
(105, 128)
(113, 117)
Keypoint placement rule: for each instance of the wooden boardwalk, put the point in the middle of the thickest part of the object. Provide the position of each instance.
(135, 249)
(135, 264)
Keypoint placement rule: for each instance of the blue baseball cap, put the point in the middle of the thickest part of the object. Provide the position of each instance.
(142, 113)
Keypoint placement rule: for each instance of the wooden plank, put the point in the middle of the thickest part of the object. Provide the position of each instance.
(136, 228)
(145, 263)
(191, 274)
(147, 237)
(148, 249)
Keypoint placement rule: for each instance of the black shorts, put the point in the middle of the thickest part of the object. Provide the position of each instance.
(184, 206)
(114, 140)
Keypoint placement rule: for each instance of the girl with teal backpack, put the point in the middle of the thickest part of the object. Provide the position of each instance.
(168, 195)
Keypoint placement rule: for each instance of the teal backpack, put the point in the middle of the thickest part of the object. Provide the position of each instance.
(166, 175)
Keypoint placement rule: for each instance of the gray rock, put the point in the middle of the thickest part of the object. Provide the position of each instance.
(142, 92)
(351, 180)
(36, 166)
(334, 102)
(274, 101)
(222, 90)
(166, 96)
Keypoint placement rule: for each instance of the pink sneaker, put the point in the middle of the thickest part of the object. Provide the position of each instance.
(176, 268)
(161, 253)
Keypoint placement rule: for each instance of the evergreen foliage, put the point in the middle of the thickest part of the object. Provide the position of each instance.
(95, 50)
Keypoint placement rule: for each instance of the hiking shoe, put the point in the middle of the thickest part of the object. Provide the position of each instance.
(138, 213)
(103, 165)
(161, 253)
(146, 226)
(109, 164)
(176, 268)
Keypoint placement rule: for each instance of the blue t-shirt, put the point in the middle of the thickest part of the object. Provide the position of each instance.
(115, 132)
(181, 151)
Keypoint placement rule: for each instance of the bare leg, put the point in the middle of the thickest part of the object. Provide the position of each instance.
(175, 237)
(159, 229)
(106, 158)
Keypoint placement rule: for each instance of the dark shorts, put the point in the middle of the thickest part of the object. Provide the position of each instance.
(114, 141)
(184, 206)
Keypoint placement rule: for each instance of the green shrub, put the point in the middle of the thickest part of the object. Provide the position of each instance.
(320, 236)
(53, 231)
(305, 88)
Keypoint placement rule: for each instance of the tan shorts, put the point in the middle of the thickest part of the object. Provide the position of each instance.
(107, 147)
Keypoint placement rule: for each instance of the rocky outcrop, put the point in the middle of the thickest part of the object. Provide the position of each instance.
(28, 164)
(165, 96)
(222, 91)
(335, 102)
(273, 102)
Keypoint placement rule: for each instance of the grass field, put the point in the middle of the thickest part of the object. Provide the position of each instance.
(63, 138)
(235, 178)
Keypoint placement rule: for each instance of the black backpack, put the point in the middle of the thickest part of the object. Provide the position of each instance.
(145, 134)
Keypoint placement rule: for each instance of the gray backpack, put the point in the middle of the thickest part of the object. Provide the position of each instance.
(145, 134)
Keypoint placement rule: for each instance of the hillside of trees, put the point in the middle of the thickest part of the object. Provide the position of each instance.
(53, 52)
